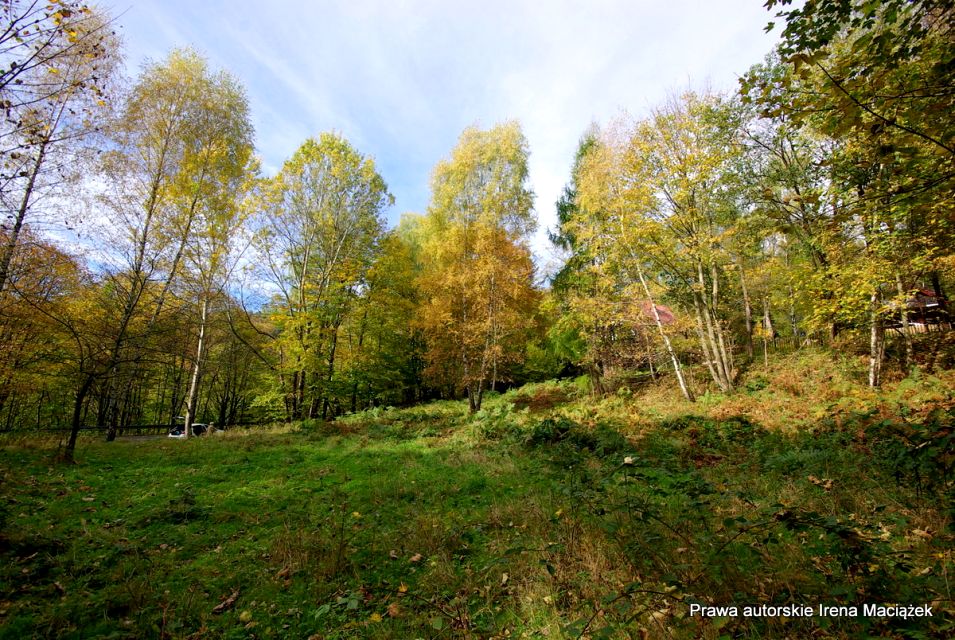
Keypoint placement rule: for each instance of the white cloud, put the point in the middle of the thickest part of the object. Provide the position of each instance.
(402, 79)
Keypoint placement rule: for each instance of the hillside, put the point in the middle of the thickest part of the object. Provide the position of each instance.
(548, 514)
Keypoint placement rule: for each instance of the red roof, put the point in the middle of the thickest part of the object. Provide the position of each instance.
(666, 316)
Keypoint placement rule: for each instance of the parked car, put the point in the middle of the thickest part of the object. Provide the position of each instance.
(179, 431)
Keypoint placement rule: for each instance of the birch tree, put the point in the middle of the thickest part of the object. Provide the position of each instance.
(617, 206)
(477, 279)
(180, 140)
(208, 197)
(57, 63)
(321, 220)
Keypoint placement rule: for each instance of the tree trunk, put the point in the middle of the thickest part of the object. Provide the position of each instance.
(196, 368)
(11, 244)
(904, 318)
(175, 395)
(713, 332)
(769, 331)
(748, 311)
(473, 405)
(875, 342)
(76, 421)
(793, 322)
(708, 355)
(650, 354)
(361, 343)
(331, 370)
(726, 355)
(109, 409)
(677, 369)
(300, 394)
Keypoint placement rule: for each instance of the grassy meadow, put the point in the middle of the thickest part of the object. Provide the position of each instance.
(549, 514)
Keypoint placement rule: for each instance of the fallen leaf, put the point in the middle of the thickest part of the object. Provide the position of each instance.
(245, 616)
(504, 578)
(394, 611)
(283, 573)
(416, 558)
(402, 588)
(227, 603)
(393, 554)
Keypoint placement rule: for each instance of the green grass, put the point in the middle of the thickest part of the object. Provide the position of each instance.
(547, 515)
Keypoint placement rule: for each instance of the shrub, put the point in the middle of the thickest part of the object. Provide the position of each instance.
(496, 422)
(602, 440)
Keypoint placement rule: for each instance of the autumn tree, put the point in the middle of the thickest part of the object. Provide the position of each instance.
(179, 143)
(661, 198)
(35, 371)
(320, 224)
(236, 365)
(477, 279)
(211, 213)
(875, 79)
(577, 332)
(57, 61)
(382, 348)
(617, 305)
(65, 309)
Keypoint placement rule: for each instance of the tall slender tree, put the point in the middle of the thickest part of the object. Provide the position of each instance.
(57, 64)
(477, 280)
(320, 224)
(180, 142)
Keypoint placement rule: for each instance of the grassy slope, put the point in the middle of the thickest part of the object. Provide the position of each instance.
(527, 520)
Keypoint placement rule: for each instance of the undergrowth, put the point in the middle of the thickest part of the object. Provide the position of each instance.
(548, 514)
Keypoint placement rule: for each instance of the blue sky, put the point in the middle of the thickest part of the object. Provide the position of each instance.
(401, 79)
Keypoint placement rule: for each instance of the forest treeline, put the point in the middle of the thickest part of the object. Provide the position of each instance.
(813, 206)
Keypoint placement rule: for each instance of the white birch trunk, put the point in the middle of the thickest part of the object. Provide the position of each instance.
(196, 369)
(677, 369)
